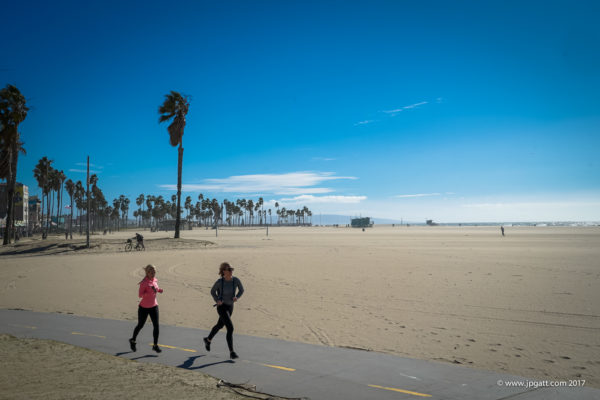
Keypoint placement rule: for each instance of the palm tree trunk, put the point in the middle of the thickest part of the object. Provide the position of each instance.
(179, 166)
(42, 215)
(71, 220)
(48, 213)
(10, 192)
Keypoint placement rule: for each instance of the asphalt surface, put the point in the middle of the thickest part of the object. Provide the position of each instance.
(288, 369)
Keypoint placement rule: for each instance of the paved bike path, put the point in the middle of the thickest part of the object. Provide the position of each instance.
(283, 368)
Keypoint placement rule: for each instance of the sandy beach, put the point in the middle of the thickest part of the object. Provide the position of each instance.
(526, 304)
(45, 369)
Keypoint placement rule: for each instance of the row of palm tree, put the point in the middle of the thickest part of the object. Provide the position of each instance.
(152, 210)
(51, 181)
(102, 216)
(174, 108)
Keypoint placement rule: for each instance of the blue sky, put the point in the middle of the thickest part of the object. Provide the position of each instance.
(453, 111)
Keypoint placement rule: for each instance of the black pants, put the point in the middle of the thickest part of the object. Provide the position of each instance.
(142, 317)
(225, 311)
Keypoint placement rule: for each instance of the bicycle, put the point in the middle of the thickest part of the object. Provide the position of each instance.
(138, 247)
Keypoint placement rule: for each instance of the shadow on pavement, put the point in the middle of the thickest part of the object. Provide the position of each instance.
(187, 364)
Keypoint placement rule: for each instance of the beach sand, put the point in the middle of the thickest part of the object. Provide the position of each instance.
(45, 369)
(526, 304)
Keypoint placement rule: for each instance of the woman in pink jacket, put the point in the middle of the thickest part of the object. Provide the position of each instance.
(148, 306)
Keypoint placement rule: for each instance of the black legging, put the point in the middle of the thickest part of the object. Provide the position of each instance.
(225, 311)
(142, 317)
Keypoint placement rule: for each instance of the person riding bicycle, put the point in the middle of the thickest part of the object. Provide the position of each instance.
(140, 240)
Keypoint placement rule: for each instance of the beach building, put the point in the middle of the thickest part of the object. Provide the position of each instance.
(35, 214)
(361, 222)
(20, 205)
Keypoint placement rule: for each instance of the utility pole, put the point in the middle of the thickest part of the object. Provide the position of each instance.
(88, 203)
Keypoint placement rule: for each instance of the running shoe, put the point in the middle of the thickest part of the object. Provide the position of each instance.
(207, 344)
(233, 355)
(132, 345)
(156, 348)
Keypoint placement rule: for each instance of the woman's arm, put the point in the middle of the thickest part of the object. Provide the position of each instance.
(214, 291)
(240, 289)
(142, 288)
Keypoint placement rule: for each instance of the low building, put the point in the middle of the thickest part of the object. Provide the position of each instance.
(35, 214)
(20, 204)
(361, 222)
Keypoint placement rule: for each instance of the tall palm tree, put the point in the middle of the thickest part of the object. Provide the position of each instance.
(79, 196)
(150, 200)
(54, 182)
(61, 178)
(188, 206)
(13, 111)
(259, 204)
(70, 186)
(176, 107)
(250, 207)
(92, 202)
(124, 207)
(41, 173)
(117, 207)
(140, 203)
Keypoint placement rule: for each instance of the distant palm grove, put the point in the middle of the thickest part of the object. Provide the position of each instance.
(154, 212)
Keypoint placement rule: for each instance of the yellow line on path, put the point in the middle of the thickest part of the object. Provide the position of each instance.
(400, 390)
(24, 326)
(278, 367)
(174, 347)
(87, 334)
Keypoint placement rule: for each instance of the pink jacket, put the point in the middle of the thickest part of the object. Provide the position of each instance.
(147, 293)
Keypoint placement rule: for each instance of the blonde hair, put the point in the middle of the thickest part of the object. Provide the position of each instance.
(150, 267)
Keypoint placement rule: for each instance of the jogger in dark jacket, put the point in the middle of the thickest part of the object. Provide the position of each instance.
(224, 294)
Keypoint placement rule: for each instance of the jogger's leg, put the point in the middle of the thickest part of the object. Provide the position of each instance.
(142, 317)
(154, 318)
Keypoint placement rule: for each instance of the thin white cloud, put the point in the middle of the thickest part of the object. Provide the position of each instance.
(324, 159)
(368, 121)
(91, 165)
(401, 196)
(310, 199)
(411, 106)
(415, 105)
(289, 183)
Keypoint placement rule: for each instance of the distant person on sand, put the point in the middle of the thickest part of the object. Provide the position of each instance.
(224, 294)
(502, 230)
(148, 306)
